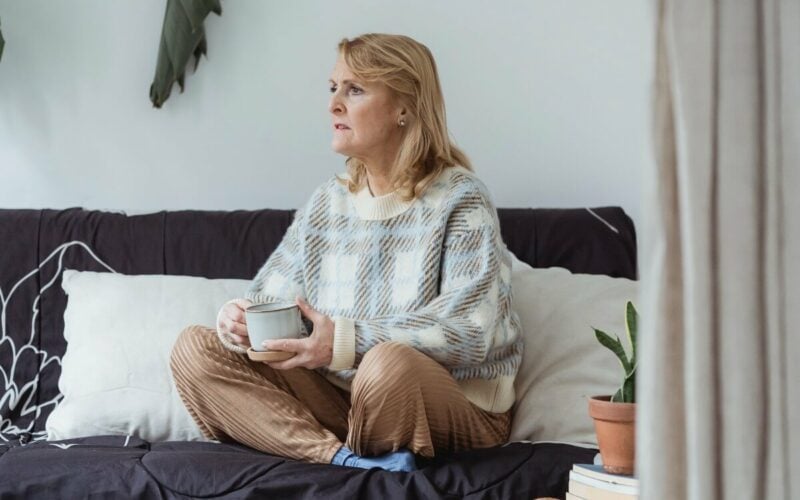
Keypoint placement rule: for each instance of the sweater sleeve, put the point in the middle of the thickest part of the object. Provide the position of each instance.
(459, 326)
(280, 278)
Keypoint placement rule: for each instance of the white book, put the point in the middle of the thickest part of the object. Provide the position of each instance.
(597, 472)
(587, 492)
(596, 484)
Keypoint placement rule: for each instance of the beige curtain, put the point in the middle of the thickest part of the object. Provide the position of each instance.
(718, 392)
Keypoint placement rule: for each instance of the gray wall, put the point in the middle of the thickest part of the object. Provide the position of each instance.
(549, 98)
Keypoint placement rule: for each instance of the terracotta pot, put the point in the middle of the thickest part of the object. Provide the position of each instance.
(615, 426)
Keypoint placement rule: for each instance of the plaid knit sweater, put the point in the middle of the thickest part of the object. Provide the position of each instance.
(432, 273)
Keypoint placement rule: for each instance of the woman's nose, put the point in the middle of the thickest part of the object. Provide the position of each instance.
(335, 104)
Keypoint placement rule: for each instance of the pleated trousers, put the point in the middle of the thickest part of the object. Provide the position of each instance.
(400, 398)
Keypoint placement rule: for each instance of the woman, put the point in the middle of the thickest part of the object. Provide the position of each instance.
(401, 273)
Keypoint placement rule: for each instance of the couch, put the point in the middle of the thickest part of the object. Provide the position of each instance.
(37, 245)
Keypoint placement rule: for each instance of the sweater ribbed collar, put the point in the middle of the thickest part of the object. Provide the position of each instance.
(381, 207)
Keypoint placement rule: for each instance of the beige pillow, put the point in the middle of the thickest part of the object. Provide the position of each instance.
(563, 363)
(120, 329)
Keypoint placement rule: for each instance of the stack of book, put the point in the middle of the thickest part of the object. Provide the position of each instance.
(591, 482)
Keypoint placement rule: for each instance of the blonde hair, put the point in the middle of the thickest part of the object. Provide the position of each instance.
(408, 69)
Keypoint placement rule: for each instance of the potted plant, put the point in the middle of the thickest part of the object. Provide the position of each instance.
(615, 416)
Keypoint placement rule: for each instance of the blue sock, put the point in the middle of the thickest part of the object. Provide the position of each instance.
(398, 461)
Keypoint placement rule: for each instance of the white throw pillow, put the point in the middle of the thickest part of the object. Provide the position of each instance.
(563, 363)
(120, 329)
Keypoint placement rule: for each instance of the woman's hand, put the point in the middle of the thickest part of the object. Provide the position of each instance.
(312, 352)
(231, 319)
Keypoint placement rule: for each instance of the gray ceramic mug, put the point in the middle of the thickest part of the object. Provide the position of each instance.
(275, 320)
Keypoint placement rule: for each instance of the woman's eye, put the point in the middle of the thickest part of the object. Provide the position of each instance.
(352, 88)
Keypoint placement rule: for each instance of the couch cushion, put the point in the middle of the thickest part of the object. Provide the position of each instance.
(116, 466)
(120, 329)
(563, 363)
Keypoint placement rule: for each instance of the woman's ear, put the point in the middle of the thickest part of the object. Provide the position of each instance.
(402, 117)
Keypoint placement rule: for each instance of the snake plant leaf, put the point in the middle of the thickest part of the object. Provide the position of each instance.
(626, 393)
(615, 345)
(182, 37)
(2, 44)
(632, 327)
(629, 387)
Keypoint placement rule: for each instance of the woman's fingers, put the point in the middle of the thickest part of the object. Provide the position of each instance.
(232, 320)
(288, 345)
(297, 346)
(238, 329)
(307, 310)
(235, 311)
(240, 340)
(231, 315)
(303, 348)
(236, 315)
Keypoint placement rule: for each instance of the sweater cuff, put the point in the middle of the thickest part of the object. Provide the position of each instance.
(224, 337)
(344, 344)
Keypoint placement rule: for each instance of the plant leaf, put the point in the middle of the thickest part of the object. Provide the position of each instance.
(632, 327)
(615, 346)
(182, 37)
(2, 44)
(629, 387)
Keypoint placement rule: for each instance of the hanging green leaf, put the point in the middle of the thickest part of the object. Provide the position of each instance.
(182, 36)
(2, 44)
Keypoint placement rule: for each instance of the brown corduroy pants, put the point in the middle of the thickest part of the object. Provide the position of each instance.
(400, 398)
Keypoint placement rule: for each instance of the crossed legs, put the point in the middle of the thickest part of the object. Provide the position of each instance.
(400, 398)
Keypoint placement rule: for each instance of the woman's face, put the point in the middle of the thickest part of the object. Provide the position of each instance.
(364, 118)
